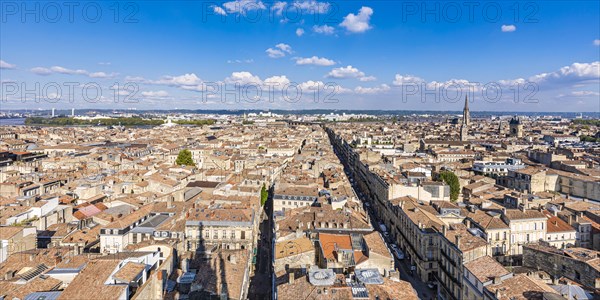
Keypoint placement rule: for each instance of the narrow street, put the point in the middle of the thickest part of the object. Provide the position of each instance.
(260, 281)
(402, 266)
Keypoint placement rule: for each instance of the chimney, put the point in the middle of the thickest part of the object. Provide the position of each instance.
(291, 277)
(444, 230)
(457, 240)
(468, 223)
(169, 202)
(504, 211)
(497, 280)
(232, 259)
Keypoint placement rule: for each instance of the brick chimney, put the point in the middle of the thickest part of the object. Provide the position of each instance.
(291, 277)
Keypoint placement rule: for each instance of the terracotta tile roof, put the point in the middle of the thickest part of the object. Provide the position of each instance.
(89, 284)
(486, 268)
(329, 242)
(129, 272)
(556, 224)
(520, 287)
(293, 247)
(376, 244)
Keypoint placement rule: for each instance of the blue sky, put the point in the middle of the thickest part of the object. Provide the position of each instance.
(541, 55)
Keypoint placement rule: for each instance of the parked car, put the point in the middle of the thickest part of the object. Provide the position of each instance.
(399, 254)
(431, 285)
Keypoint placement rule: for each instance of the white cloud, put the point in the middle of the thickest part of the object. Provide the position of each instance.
(597, 42)
(508, 28)
(278, 7)
(188, 79)
(284, 47)
(41, 71)
(313, 6)
(315, 60)
(368, 78)
(349, 72)
(360, 22)
(299, 32)
(279, 51)
(62, 70)
(323, 29)
(275, 53)
(67, 71)
(100, 75)
(277, 81)
(404, 79)
(243, 6)
(155, 94)
(104, 63)
(575, 73)
(372, 90)
(219, 11)
(243, 78)
(5, 65)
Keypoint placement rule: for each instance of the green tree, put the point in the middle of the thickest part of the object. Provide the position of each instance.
(185, 158)
(264, 194)
(450, 179)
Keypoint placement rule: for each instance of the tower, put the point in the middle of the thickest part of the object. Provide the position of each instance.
(464, 127)
(516, 127)
(466, 114)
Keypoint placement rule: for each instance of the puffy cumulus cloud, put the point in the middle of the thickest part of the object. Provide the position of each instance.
(280, 50)
(573, 74)
(5, 65)
(299, 32)
(407, 79)
(360, 22)
(277, 81)
(349, 72)
(188, 79)
(596, 42)
(242, 6)
(508, 28)
(315, 60)
(242, 78)
(323, 29)
(372, 90)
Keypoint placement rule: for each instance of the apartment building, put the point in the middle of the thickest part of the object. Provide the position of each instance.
(224, 228)
(458, 246)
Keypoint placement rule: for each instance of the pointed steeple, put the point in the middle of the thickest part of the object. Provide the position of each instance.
(466, 114)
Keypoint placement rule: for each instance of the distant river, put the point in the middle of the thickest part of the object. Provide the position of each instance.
(12, 121)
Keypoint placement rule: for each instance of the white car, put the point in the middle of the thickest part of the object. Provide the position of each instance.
(399, 254)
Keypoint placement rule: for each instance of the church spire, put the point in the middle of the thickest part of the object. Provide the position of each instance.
(466, 113)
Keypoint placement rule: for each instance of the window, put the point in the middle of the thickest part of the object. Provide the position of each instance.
(224, 234)
(207, 234)
(215, 234)
(233, 234)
